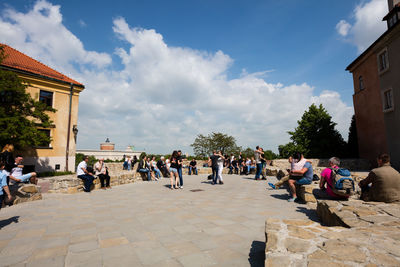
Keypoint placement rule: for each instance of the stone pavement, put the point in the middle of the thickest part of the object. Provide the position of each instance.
(147, 224)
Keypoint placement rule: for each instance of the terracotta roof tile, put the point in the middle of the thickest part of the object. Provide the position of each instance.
(17, 60)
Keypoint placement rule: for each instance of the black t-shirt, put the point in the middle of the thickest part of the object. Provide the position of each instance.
(179, 158)
(234, 163)
(214, 161)
(160, 164)
(193, 163)
(174, 163)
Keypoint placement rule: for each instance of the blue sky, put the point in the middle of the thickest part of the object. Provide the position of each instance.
(253, 58)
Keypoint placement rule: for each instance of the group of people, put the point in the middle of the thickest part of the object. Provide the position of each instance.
(11, 173)
(382, 184)
(88, 174)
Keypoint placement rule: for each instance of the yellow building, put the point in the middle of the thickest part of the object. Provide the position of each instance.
(60, 92)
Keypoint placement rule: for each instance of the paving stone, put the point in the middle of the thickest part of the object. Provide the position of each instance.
(111, 242)
(87, 258)
(50, 252)
(84, 246)
(53, 262)
(197, 259)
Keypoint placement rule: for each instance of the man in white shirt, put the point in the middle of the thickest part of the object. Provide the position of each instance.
(16, 173)
(82, 173)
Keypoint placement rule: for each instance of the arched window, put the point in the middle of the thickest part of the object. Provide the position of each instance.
(361, 83)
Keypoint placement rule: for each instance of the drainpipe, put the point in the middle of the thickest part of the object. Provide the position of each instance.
(69, 127)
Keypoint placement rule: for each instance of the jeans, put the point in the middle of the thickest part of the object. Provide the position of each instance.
(214, 174)
(180, 176)
(157, 173)
(230, 170)
(146, 171)
(259, 169)
(129, 166)
(194, 170)
(87, 181)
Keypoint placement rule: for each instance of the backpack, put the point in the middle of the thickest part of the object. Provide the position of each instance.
(342, 183)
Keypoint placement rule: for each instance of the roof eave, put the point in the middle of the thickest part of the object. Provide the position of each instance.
(41, 76)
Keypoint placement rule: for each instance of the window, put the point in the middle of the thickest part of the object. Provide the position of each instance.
(392, 20)
(383, 61)
(46, 97)
(388, 104)
(361, 83)
(47, 133)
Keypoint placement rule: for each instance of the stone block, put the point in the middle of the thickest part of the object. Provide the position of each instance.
(295, 245)
(29, 188)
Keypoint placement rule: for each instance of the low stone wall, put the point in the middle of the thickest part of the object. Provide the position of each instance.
(351, 164)
(372, 240)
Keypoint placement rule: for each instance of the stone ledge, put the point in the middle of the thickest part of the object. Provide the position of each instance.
(307, 243)
(24, 193)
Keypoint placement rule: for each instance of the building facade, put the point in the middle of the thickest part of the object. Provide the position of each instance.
(376, 77)
(58, 91)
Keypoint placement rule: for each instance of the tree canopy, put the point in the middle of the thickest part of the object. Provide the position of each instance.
(21, 117)
(204, 145)
(315, 136)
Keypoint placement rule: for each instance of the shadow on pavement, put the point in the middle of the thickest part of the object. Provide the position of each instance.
(280, 196)
(311, 213)
(9, 221)
(257, 254)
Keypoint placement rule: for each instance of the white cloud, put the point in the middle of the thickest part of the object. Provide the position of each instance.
(164, 96)
(41, 34)
(343, 27)
(367, 25)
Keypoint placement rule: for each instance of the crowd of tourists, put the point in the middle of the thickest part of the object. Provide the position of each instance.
(335, 183)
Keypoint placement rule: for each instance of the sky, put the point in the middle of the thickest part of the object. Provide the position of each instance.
(158, 73)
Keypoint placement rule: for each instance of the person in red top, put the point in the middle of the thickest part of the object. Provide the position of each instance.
(325, 184)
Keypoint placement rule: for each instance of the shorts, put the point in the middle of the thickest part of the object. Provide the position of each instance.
(174, 170)
(303, 181)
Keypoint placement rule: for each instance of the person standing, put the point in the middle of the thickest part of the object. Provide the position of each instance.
(82, 173)
(257, 155)
(174, 170)
(101, 171)
(179, 159)
(220, 163)
(213, 161)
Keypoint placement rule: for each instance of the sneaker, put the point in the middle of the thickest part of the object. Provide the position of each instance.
(292, 199)
(181, 187)
(220, 182)
(272, 185)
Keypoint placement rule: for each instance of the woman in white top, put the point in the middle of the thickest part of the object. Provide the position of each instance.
(220, 162)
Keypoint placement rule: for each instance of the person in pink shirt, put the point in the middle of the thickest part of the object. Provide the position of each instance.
(325, 184)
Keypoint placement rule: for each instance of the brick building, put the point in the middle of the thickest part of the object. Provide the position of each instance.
(376, 78)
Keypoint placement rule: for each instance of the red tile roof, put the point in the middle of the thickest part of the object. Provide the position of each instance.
(17, 60)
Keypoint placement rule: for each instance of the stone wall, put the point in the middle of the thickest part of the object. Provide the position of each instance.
(361, 234)
(351, 164)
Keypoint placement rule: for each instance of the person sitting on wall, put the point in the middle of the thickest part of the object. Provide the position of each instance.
(101, 171)
(296, 164)
(83, 173)
(300, 177)
(382, 183)
(193, 166)
(325, 184)
(143, 167)
(4, 187)
(16, 175)
(162, 166)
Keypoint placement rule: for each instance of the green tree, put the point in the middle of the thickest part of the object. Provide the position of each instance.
(285, 151)
(204, 145)
(316, 135)
(20, 115)
(268, 154)
(352, 142)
